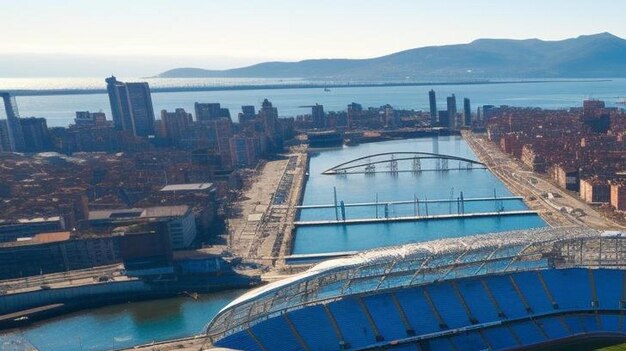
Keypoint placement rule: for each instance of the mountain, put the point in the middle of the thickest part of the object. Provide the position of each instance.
(589, 56)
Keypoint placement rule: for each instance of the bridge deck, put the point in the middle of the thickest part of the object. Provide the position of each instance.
(406, 202)
(414, 218)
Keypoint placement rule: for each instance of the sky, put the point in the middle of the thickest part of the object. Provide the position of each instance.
(145, 37)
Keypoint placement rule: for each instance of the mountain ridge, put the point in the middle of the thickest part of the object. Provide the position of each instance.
(601, 55)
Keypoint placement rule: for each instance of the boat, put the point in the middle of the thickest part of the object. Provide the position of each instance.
(326, 89)
(621, 102)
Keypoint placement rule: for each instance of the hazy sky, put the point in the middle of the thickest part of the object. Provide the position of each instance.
(148, 36)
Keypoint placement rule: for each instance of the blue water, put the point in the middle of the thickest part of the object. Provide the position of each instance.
(353, 188)
(59, 110)
(126, 325)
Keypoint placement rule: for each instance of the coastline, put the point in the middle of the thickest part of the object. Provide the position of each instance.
(69, 91)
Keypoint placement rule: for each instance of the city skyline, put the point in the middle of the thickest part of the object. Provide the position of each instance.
(115, 35)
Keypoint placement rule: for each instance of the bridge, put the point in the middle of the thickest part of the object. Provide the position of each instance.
(402, 161)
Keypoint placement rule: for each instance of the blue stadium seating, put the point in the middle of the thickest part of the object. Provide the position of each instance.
(241, 340)
(499, 338)
(528, 332)
(562, 283)
(440, 344)
(447, 303)
(533, 291)
(610, 323)
(417, 311)
(478, 300)
(315, 327)
(354, 326)
(575, 324)
(508, 299)
(553, 328)
(468, 341)
(386, 316)
(284, 340)
(608, 287)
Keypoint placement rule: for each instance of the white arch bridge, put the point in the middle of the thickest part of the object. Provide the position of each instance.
(404, 161)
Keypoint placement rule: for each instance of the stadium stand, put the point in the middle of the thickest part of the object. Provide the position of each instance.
(488, 292)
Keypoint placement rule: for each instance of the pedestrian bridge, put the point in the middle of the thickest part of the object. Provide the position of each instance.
(403, 161)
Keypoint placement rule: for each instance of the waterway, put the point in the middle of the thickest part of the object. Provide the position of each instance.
(126, 325)
(60, 110)
(355, 188)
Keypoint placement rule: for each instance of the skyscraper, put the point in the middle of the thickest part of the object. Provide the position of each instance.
(432, 99)
(131, 106)
(36, 135)
(248, 113)
(176, 125)
(451, 102)
(13, 127)
(467, 112)
(318, 116)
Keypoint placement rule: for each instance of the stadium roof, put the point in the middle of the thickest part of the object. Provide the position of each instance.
(423, 263)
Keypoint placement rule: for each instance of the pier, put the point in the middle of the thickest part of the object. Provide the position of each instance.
(414, 218)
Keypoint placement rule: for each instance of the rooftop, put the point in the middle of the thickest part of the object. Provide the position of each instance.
(148, 212)
(187, 187)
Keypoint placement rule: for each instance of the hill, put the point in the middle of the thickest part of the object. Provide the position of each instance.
(589, 56)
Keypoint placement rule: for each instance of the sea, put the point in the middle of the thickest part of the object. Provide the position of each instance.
(131, 324)
(59, 110)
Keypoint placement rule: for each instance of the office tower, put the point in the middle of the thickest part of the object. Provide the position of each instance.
(432, 99)
(451, 102)
(36, 135)
(131, 106)
(444, 118)
(210, 111)
(176, 125)
(269, 117)
(248, 113)
(318, 116)
(13, 127)
(354, 113)
(467, 112)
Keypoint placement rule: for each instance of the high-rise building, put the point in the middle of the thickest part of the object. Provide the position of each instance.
(245, 151)
(269, 117)
(13, 127)
(467, 112)
(318, 116)
(176, 125)
(354, 113)
(432, 99)
(451, 102)
(131, 106)
(444, 118)
(248, 113)
(210, 111)
(36, 134)
(5, 146)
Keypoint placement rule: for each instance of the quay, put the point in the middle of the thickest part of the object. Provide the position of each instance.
(414, 218)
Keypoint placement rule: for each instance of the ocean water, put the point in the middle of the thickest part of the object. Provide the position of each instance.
(60, 110)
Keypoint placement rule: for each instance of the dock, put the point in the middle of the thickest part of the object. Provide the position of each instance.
(414, 218)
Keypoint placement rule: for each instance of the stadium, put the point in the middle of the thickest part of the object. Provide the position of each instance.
(532, 289)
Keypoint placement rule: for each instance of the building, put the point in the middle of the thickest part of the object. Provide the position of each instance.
(90, 119)
(444, 118)
(52, 252)
(248, 114)
(318, 117)
(566, 177)
(451, 104)
(36, 135)
(13, 133)
(618, 195)
(175, 125)
(245, 151)
(595, 190)
(432, 99)
(467, 112)
(269, 117)
(355, 111)
(131, 107)
(180, 221)
(210, 111)
(526, 290)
